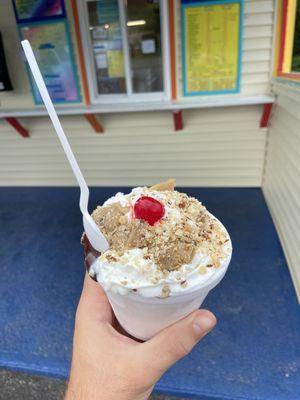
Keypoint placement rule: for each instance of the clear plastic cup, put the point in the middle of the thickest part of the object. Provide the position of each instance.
(143, 317)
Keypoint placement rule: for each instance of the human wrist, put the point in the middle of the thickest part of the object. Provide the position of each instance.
(92, 390)
(79, 394)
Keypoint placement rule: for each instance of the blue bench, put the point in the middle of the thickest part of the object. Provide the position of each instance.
(254, 352)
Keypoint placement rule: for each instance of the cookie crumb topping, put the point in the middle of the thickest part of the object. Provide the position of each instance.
(185, 228)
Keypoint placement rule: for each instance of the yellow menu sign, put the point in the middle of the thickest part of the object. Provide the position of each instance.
(115, 62)
(211, 47)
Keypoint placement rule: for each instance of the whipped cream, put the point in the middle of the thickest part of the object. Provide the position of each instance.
(131, 272)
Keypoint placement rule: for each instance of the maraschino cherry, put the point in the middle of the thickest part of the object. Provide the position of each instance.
(148, 209)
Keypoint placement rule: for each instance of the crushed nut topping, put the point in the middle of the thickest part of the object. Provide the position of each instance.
(202, 270)
(172, 241)
(165, 292)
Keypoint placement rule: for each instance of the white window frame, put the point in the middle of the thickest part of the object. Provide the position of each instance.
(131, 97)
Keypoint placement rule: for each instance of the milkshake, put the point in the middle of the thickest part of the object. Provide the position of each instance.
(166, 253)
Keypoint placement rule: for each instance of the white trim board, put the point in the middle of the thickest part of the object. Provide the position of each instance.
(205, 102)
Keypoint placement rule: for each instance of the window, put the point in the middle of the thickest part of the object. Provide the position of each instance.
(289, 40)
(126, 48)
(107, 46)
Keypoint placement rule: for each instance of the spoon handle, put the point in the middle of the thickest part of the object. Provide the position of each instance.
(84, 190)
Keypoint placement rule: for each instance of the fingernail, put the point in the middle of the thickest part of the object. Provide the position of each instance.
(202, 325)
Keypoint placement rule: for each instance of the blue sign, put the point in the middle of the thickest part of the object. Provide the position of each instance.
(37, 10)
(51, 44)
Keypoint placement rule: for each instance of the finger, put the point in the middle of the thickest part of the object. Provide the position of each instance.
(93, 301)
(176, 341)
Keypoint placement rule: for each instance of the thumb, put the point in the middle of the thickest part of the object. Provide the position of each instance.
(176, 341)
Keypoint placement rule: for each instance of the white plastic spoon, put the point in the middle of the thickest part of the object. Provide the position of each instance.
(95, 236)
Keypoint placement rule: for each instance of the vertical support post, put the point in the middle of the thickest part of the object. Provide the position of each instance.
(17, 126)
(95, 124)
(172, 34)
(80, 53)
(283, 35)
(178, 120)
